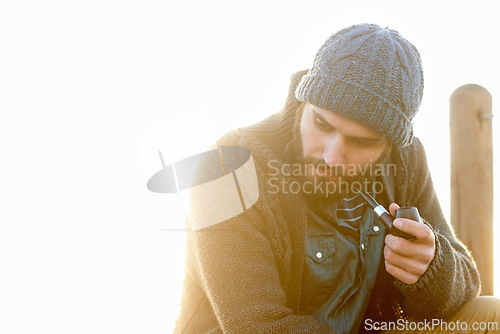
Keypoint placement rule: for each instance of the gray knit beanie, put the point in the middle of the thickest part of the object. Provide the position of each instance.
(371, 75)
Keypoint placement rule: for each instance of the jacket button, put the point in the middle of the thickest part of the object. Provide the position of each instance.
(319, 255)
(376, 228)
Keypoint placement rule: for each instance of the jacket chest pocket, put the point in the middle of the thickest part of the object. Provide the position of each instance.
(321, 248)
(320, 266)
(320, 259)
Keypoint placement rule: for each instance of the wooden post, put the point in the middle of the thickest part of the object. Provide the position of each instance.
(472, 176)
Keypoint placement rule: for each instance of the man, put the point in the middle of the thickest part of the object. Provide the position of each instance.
(310, 256)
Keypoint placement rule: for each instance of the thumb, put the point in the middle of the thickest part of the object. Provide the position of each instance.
(392, 209)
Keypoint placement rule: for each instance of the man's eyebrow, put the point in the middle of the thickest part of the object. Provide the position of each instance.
(364, 139)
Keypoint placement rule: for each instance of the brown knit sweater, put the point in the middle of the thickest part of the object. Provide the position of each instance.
(244, 275)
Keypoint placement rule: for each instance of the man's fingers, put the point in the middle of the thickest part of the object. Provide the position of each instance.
(408, 260)
(392, 209)
(401, 274)
(417, 229)
(423, 252)
(411, 265)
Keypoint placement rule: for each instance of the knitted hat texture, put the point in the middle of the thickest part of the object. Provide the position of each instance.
(371, 75)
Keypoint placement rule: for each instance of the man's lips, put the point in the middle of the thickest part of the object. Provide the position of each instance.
(323, 172)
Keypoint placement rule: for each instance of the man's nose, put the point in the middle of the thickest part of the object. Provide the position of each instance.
(334, 150)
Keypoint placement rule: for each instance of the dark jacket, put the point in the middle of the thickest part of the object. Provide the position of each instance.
(245, 276)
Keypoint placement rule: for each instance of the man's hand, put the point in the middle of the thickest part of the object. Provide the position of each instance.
(408, 260)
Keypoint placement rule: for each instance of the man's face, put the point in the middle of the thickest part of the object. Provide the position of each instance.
(335, 148)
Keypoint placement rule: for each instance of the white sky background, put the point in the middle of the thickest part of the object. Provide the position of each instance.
(83, 84)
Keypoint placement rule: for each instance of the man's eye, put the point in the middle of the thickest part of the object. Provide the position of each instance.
(362, 143)
(322, 125)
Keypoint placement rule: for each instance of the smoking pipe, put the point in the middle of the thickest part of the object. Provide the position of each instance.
(409, 212)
